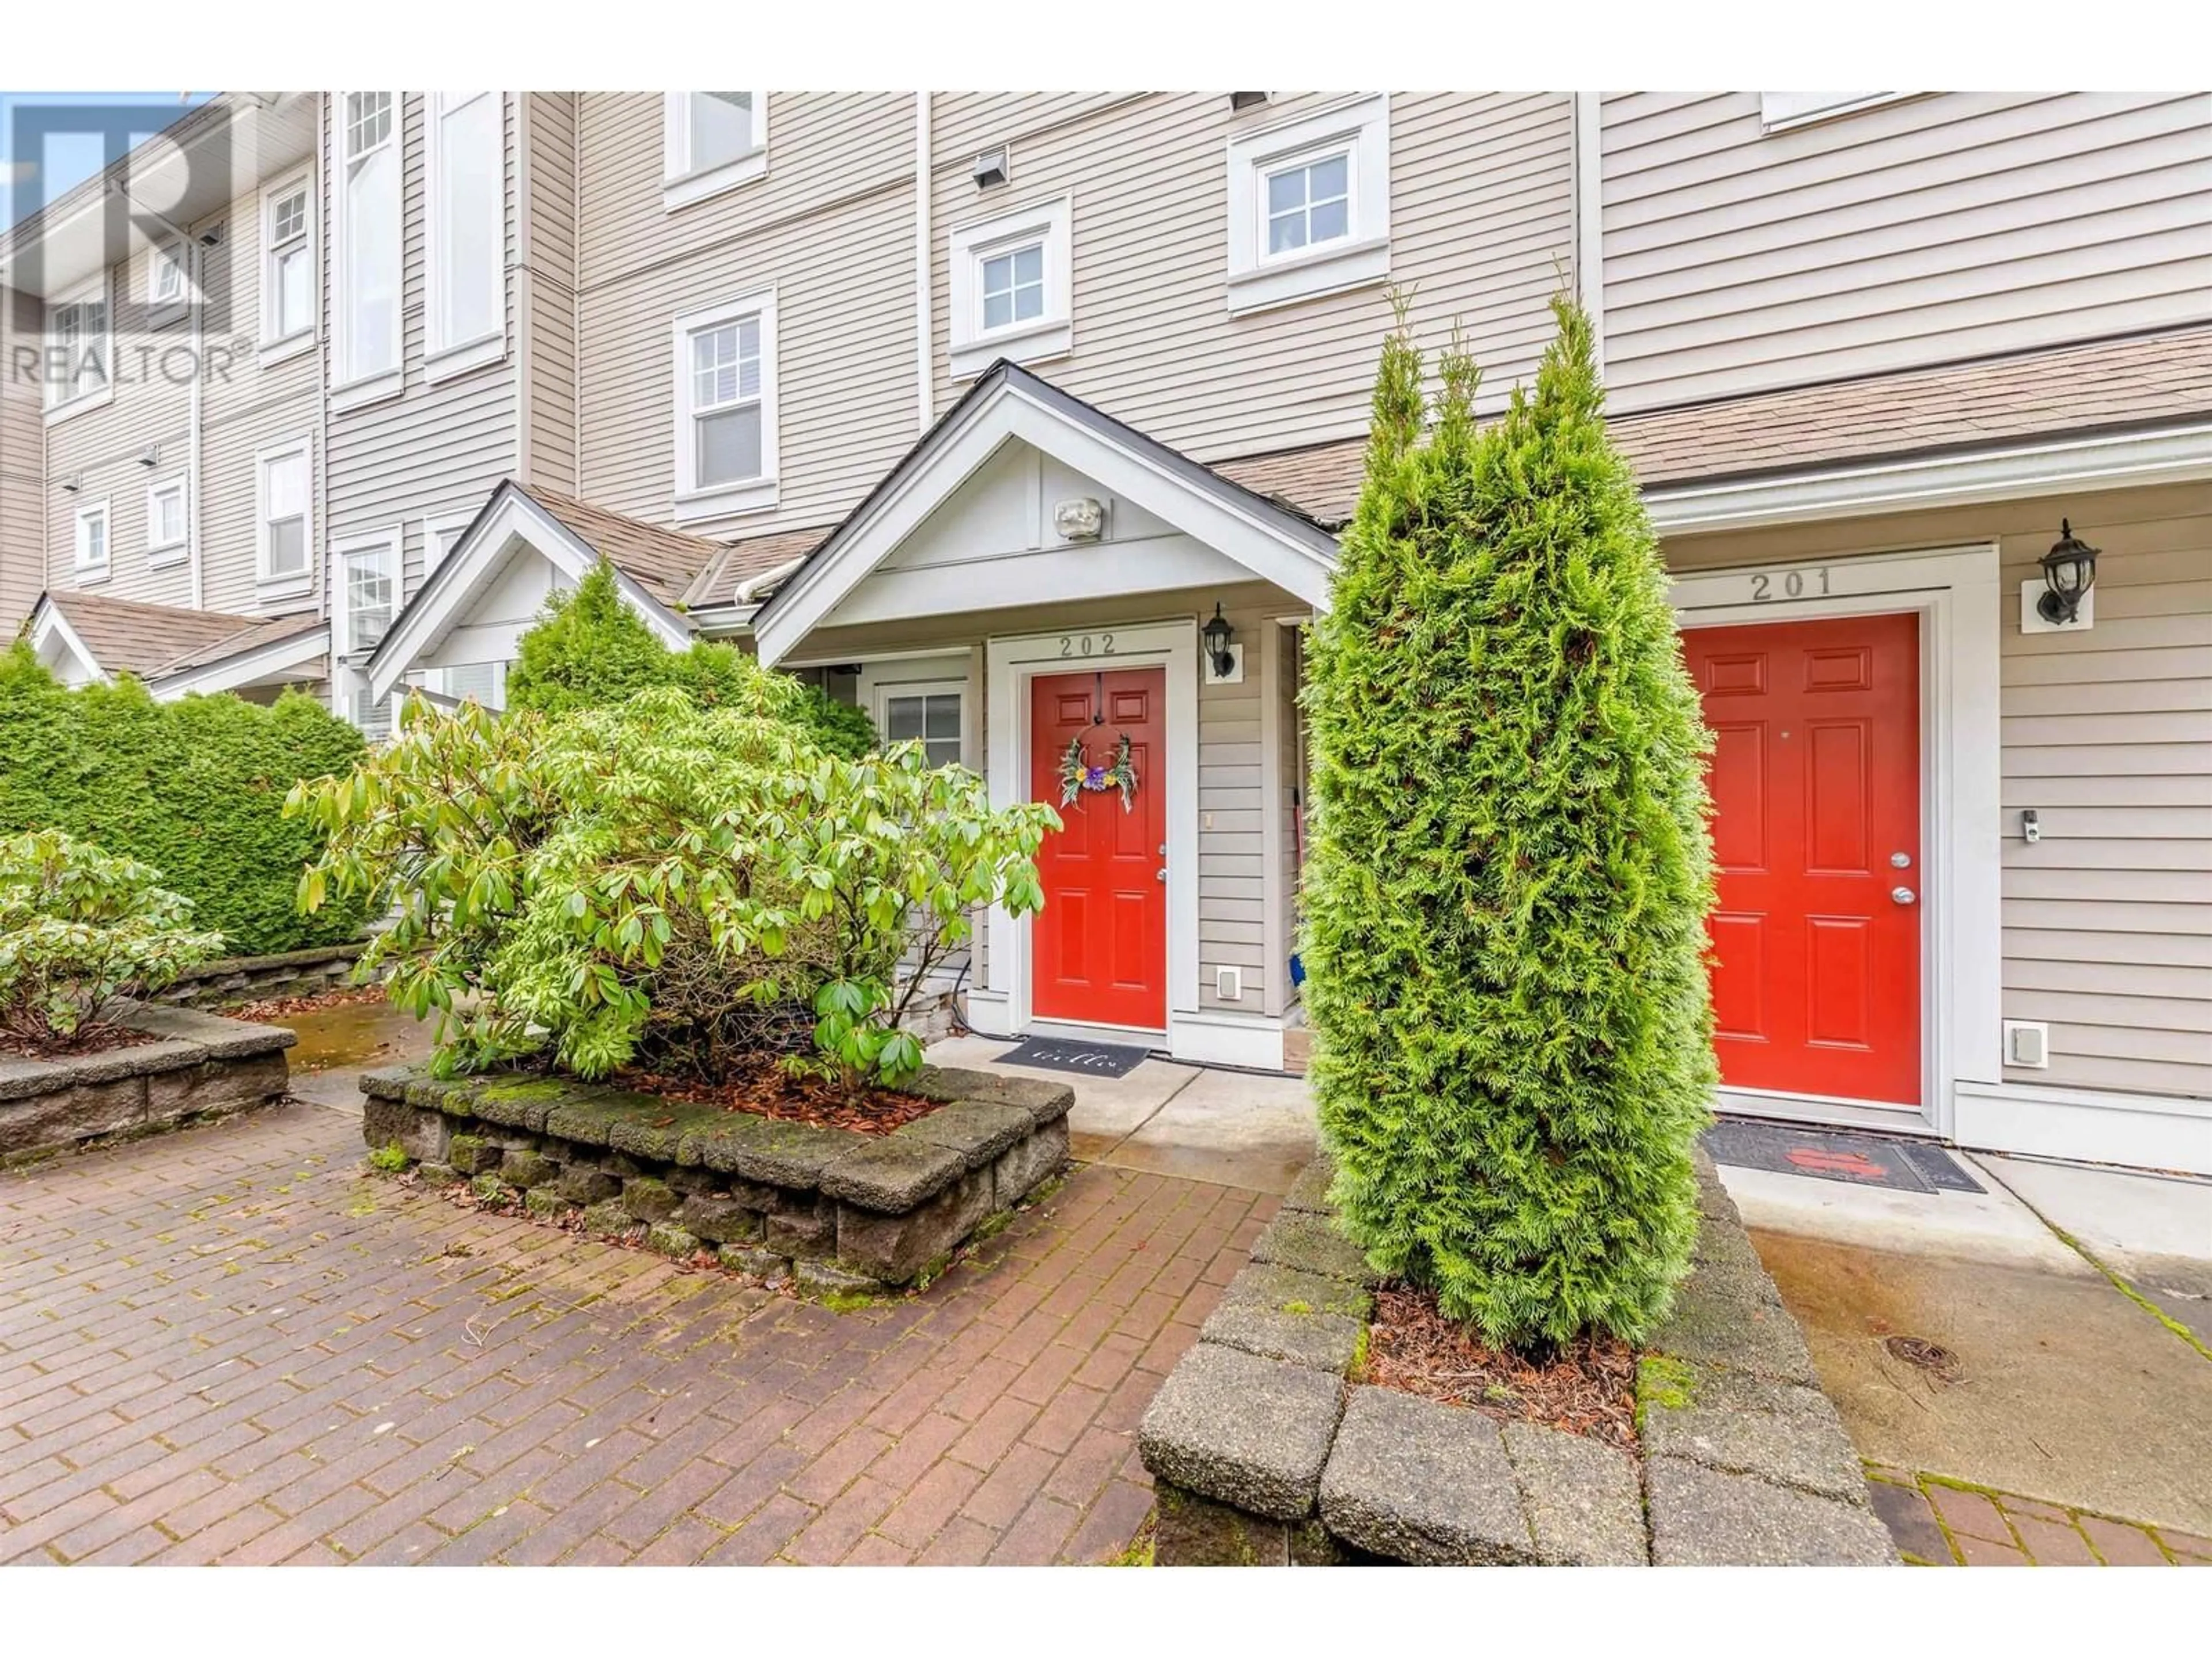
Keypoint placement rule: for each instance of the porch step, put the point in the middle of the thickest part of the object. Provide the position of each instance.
(1298, 1048)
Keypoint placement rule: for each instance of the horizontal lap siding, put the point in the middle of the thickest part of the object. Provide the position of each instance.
(1954, 226)
(546, 293)
(1480, 226)
(1232, 820)
(830, 227)
(2107, 736)
(435, 448)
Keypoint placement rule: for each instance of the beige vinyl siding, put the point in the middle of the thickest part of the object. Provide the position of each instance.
(246, 408)
(1952, 226)
(1480, 221)
(23, 462)
(2107, 735)
(1233, 928)
(830, 227)
(545, 288)
(435, 448)
(100, 448)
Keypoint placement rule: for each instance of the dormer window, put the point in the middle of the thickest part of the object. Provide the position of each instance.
(1309, 205)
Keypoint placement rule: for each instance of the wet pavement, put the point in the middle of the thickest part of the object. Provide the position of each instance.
(1975, 1342)
(340, 1042)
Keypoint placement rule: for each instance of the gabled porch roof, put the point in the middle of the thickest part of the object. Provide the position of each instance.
(172, 649)
(1008, 403)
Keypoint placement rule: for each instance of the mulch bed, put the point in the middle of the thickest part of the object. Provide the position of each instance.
(766, 1091)
(1588, 1388)
(97, 1040)
(288, 1007)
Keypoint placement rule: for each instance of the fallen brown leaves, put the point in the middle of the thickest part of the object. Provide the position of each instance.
(1588, 1388)
(766, 1091)
(286, 1007)
(92, 1040)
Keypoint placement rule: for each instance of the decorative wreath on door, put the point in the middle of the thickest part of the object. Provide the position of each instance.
(1078, 776)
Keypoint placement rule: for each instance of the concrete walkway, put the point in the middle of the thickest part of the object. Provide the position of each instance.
(2024, 1369)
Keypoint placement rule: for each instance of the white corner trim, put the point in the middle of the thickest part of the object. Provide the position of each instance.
(1217, 521)
(1037, 339)
(1590, 216)
(1956, 593)
(2150, 1132)
(1011, 662)
(2174, 455)
(516, 522)
(247, 668)
(1360, 126)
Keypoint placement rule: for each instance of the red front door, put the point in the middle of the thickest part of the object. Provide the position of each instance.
(1815, 777)
(1099, 949)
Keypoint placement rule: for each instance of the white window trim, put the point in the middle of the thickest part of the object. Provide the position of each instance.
(390, 542)
(265, 586)
(278, 348)
(681, 185)
(349, 389)
(1036, 339)
(88, 572)
(170, 251)
(57, 411)
(1256, 281)
(922, 677)
(161, 554)
(440, 532)
(1784, 112)
(694, 503)
(443, 359)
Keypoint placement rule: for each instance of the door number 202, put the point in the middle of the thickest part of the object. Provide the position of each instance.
(1086, 645)
(1767, 585)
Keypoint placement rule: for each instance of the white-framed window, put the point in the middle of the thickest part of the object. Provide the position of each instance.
(726, 415)
(928, 713)
(366, 266)
(284, 516)
(93, 529)
(1780, 111)
(168, 281)
(712, 142)
(467, 231)
(288, 267)
(440, 535)
(1309, 204)
(364, 590)
(168, 521)
(77, 350)
(1012, 286)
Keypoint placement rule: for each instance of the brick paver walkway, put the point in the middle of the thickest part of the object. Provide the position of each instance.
(231, 1345)
(1939, 1523)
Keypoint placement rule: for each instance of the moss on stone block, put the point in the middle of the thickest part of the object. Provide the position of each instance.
(671, 1241)
(608, 1219)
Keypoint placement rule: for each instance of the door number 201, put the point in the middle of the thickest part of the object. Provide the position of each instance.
(1767, 585)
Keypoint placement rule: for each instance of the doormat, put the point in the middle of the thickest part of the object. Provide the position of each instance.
(1864, 1160)
(1093, 1058)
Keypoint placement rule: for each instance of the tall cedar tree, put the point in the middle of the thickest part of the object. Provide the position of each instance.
(1506, 896)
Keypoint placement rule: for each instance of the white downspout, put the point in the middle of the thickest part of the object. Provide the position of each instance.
(925, 390)
(196, 272)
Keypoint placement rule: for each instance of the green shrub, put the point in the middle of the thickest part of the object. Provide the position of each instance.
(195, 788)
(1510, 873)
(687, 888)
(78, 925)
(591, 649)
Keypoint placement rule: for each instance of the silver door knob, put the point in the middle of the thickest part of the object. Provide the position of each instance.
(1160, 874)
(1902, 894)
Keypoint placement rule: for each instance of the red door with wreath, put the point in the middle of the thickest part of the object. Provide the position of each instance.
(1099, 949)
(1815, 775)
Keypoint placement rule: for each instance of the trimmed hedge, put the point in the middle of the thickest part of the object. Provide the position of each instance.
(195, 788)
(592, 651)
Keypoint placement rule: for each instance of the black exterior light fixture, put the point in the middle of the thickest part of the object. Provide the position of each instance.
(1218, 635)
(2070, 571)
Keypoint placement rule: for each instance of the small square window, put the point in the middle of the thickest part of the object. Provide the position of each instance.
(932, 719)
(1309, 204)
(1013, 287)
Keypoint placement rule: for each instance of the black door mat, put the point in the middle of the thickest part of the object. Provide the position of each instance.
(1091, 1059)
(1863, 1160)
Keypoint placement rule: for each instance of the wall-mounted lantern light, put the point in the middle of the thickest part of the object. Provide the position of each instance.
(1218, 635)
(2070, 571)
